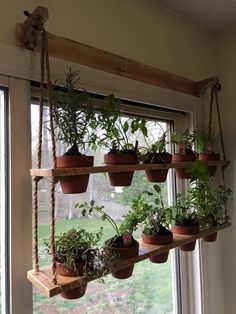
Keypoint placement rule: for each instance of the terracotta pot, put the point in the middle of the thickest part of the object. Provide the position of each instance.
(121, 178)
(125, 252)
(74, 293)
(193, 229)
(70, 272)
(210, 157)
(158, 175)
(158, 240)
(78, 183)
(180, 172)
(210, 238)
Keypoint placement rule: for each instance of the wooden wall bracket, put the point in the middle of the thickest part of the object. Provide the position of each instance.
(70, 50)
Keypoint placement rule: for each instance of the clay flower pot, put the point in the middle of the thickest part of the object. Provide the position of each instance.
(192, 229)
(120, 178)
(77, 292)
(125, 252)
(210, 157)
(158, 240)
(158, 175)
(210, 238)
(187, 157)
(77, 183)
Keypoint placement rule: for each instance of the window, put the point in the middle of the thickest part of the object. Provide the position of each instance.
(4, 210)
(152, 287)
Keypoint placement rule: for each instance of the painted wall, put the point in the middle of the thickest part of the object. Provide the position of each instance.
(226, 65)
(143, 31)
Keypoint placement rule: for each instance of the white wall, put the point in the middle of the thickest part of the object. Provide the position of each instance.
(143, 31)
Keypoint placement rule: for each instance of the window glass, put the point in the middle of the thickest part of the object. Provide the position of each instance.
(150, 289)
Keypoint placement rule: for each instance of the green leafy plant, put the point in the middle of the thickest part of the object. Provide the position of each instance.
(182, 213)
(184, 140)
(128, 225)
(205, 140)
(75, 246)
(114, 128)
(210, 202)
(198, 170)
(150, 209)
(149, 152)
(72, 114)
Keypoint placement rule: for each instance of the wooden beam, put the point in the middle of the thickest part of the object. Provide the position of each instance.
(43, 280)
(62, 172)
(202, 86)
(70, 50)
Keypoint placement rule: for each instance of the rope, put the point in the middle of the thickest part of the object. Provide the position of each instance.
(52, 231)
(211, 111)
(35, 181)
(44, 34)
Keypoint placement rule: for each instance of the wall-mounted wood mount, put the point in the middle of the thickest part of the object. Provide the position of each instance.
(70, 50)
(43, 280)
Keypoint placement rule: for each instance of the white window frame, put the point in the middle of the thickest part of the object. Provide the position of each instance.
(20, 181)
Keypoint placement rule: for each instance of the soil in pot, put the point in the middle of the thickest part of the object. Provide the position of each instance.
(210, 238)
(77, 292)
(188, 228)
(121, 178)
(186, 157)
(163, 238)
(210, 157)
(77, 183)
(122, 253)
(158, 175)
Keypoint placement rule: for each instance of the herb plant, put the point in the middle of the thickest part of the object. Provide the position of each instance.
(75, 246)
(184, 140)
(150, 209)
(72, 114)
(205, 140)
(128, 225)
(114, 129)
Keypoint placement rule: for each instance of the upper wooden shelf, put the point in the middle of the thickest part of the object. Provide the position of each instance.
(62, 172)
(43, 280)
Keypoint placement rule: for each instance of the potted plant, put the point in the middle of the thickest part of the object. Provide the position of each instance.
(122, 243)
(211, 204)
(185, 220)
(75, 249)
(117, 135)
(184, 141)
(72, 113)
(156, 154)
(154, 215)
(205, 141)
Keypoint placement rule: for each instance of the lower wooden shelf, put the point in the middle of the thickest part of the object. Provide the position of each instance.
(43, 280)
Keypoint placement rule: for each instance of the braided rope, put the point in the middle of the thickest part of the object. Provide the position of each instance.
(50, 100)
(52, 231)
(35, 181)
(211, 111)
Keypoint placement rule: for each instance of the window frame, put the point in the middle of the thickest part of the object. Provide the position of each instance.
(19, 95)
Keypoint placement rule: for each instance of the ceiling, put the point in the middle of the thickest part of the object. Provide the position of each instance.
(211, 14)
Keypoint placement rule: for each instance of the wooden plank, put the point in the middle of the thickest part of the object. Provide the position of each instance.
(43, 280)
(62, 172)
(202, 86)
(73, 51)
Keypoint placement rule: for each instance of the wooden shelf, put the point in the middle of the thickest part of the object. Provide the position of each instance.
(62, 172)
(43, 280)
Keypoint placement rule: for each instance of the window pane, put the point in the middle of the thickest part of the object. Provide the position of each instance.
(150, 288)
